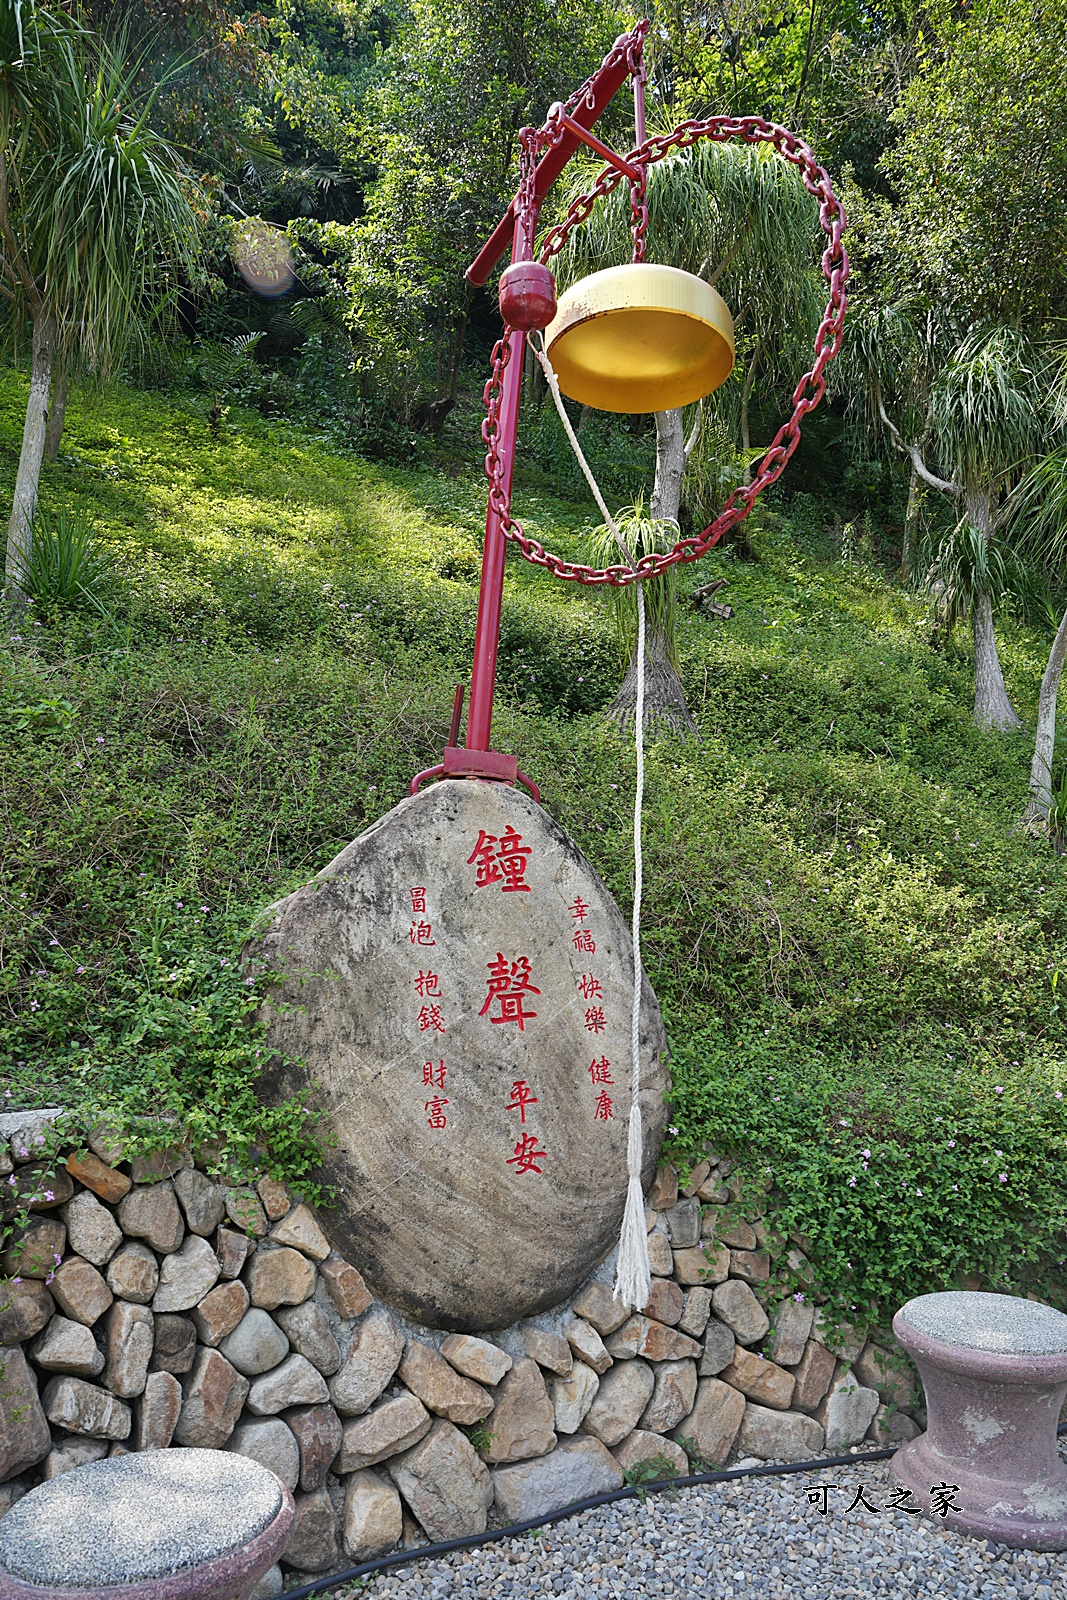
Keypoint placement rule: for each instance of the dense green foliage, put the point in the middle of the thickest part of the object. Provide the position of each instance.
(834, 893)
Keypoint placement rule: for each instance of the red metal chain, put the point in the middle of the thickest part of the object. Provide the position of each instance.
(806, 396)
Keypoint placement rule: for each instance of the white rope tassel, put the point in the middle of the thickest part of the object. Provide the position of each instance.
(633, 1274)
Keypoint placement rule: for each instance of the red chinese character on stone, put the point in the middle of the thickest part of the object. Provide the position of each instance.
(421, 933)
(418, 899)
(526, 1154)
(600, 1071)
(508, 985)
(594, 1019)
(583, 940)
(482, 858)
(603, 1107)
(521, 1097)
(428, 983)
(512, 857)
(433, 1074)
(436, 1109)
(589, 987)
(579, 910)
(430, 1017)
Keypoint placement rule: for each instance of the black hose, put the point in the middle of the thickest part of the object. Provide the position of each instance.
(401, 1558)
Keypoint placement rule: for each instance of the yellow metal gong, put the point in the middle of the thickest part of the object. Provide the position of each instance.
(640, 337)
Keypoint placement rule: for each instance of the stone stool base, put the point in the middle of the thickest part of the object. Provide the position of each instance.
(166, 1525)
(995, 1373)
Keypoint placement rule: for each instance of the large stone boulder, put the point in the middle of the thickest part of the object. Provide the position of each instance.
(458, 986)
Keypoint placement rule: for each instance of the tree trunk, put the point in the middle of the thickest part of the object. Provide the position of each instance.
(746, 395)
(992, 708)
(911, 526)
(28, 477)
(670, 465)
(57, 413)
(1045, 739)
(665, 706)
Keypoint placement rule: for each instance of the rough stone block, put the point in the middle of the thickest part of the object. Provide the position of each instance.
(683, 1224)
(318, 1433)
(572, 1396)
(106, 1182)
(663, 1190)
(270, 1585)
(186, 1276)
(673, 1397)
(443, 1481)
(476, 1358)
(69, 1452)
(270, 1442)
(280, 1277)
(548, 1350)
(892, 1427)
(67, 1346)
(665, 1302)
(219, 1312)
(695, 1313)
(812, 1376)
(312, 1545)
(792, 1325)
(38, 1186)
(129, 1331)
(623, 1394)
(575, 1469)
(660, 1254)
(294, 1383)
(713, 1423)
(373, 1518)
(719, 1346)
(587, 1345)
(760, 1380)
(92, 1231)
(888, 1373)
(598, 1305)
(160, 1164)
(391, 1427)
(24, 1436)
(641, 1446)
(751, 1266)
(80, 1292)
(641, 1336)
(35, 1249)
(152, 1214)
(212, 1397)
(233, 1250)
(778, 1435)
(273, 1197)
(300, 1230)
(373, 1357)
(156, 1411)
(441, 1388)
(704, 1264)
(840, 1338)
(133, 1274)
(846, 1411)
(245, 1212)
(81, 1407)
(522, 1423)
(696, 1177)
(175, 1348)
(25, 1308)
(307, 1328)
(201, 1200)
(347, 1290)
(735, 1304)
(256, 1345)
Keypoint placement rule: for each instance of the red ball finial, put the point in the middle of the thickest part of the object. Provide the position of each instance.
(527, 295)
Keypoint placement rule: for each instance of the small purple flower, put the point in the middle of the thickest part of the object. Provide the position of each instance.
(852, 1183)
(15, 1281)
(49, 1194)
(23, 1152)
(952, 1144)
(1003, 1177)
(799, 1298)
(866, 1154)
(998, 1089)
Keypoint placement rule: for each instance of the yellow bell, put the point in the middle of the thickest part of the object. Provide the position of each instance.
(640, 337)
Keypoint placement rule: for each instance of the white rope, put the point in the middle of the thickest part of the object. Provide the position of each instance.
(633, 1272)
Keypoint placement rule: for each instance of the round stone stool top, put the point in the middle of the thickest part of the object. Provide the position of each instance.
(136, 1518)
(997, 1323)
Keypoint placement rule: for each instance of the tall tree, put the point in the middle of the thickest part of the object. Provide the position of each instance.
(96, 225)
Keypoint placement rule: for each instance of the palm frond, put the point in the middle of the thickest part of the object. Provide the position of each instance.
(642, 535)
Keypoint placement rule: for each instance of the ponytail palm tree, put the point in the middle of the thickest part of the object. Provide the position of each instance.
(95, 223)
(739, 217)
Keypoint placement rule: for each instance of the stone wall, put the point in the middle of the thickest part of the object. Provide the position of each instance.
(147, 1304)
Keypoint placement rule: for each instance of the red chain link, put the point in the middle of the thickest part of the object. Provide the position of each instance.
(806, 396)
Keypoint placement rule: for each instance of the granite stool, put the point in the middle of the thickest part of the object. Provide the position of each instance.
(995, 1373)
(164, 1525)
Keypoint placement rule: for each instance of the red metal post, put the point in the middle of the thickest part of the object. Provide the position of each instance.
(487, 631)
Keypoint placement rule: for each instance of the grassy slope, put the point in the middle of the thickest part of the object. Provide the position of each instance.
(833, 890)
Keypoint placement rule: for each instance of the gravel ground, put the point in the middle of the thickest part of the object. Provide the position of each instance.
(733, 1541)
